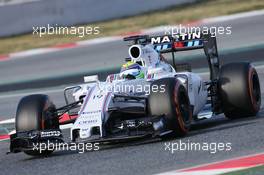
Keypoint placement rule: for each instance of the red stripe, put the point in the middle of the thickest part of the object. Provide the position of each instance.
(67, 45)
(178, 44)
(66, 117)
(130, 34)
(234, 163)
(4, 57)
(192, 23)
(3, 137)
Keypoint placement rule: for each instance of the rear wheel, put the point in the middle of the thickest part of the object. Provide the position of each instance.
(36, 112)
(239, 90)
(173, 103)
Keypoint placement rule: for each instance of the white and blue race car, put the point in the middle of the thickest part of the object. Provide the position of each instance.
(147, 98)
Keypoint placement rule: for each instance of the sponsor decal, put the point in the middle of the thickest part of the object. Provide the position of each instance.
(87, 122)
(92, 112)
(50, 133)
(177, 37)
(167, 42)
(91, 117)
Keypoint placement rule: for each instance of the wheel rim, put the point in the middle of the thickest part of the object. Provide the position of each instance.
(184, 108)
(256, 89)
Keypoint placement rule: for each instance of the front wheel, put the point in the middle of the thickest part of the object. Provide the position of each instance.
(36, 112)
(172, 103)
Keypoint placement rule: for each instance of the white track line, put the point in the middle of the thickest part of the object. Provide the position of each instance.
(203, 172)
(218, 171)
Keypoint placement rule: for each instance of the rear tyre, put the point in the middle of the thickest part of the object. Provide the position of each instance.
(173, 103)
(36, 112)
(239, 90)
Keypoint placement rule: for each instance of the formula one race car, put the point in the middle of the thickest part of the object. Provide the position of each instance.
(147, 98)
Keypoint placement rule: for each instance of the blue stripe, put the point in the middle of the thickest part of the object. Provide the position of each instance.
(165, 46)
(190, 43)
(196, 43)
(158, 48)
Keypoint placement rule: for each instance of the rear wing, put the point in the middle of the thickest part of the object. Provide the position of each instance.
(179, 42)
(166, 43)
(183, 42)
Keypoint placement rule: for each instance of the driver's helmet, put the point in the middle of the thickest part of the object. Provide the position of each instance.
(132, 70)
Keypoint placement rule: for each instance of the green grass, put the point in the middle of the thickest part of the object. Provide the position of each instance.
(174, 15)
(259, 170)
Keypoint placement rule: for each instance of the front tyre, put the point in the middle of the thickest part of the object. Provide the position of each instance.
(239, 90)
(36, 112)
(172, 103)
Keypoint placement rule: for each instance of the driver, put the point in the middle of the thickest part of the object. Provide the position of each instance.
(131, 70)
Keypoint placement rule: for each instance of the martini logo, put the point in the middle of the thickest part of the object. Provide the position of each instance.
(178, 37)
(160, 39)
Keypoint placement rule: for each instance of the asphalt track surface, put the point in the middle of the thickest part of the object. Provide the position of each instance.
(245, 135)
